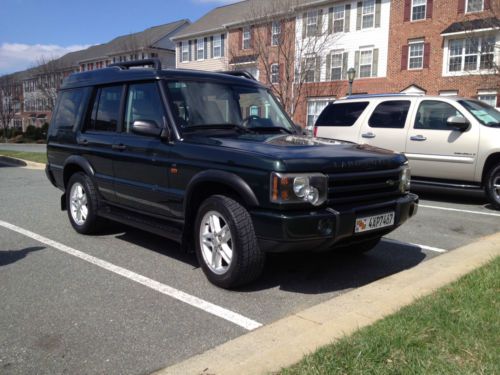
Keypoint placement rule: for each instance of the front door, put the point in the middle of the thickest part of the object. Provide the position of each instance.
(437, 151)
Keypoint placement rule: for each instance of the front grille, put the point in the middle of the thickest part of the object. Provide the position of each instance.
(344, 188)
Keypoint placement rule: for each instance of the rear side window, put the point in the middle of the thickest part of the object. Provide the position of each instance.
(70, 108)
(341, 114)
(390, 114)
(106, 109)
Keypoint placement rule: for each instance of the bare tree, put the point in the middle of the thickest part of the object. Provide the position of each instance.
(289, 59)
(48, 75)
(8, 98)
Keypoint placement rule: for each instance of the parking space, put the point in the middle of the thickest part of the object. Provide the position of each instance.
(127, 301)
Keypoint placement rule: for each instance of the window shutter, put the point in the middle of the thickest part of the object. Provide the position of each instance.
(407, 10)
(328, 67)
(205, 47)
(281, 68)
(302, 71)
(240, 38)
(211, 47)
(319, 28)
(358, 16)
(356, 63)
(347, 19)
(461, 6)
(270, 34)
(429, 9)
(345, 56)
(317, 75)
(330, 20)
(179, 46)
(304, 25)
(252, 36)
(375, 62)
(222, 43)
(190, 50)
(427, 54)
(378, 7)
(404, 58)
(487, 4)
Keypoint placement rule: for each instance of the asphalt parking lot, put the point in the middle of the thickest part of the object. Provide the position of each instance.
(128, 302)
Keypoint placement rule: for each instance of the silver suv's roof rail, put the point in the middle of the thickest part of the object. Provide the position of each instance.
(368, 96)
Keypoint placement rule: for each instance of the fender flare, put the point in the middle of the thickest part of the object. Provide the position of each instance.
(82, 163)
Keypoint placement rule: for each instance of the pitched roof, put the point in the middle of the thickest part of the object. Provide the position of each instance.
(479, 24)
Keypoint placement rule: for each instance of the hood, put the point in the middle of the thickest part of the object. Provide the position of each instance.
(297, 153)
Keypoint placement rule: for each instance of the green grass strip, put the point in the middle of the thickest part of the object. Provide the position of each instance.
(453, 331)
(38, 157)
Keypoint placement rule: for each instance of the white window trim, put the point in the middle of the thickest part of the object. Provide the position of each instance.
(341, 53)
(273, 33)
(341, 18)
(361, 50)
(312, 14)
(275, 74)
(202, 49)
(416, 41)
(184, 44)
(448, 93)
(219, 39)
(316, 100)
(489, 93)
(425, 12)
(368, 14)
(248, 30)
(473, 11)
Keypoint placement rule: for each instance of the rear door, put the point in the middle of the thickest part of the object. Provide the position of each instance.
(437, 151)
(387, 125)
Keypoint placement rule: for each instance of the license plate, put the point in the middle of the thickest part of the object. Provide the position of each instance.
(364, 224)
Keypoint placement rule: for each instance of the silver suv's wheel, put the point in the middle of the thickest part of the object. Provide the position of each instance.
(82, 203)
(226, 246)
(493, 186)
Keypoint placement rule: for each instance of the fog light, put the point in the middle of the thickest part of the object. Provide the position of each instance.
(325, 227)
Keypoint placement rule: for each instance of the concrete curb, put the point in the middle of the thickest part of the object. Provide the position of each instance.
(21, 163)
(286, 341)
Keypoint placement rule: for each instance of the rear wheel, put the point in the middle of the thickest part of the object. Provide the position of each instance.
(226, 245)
(81, 203)
(493, 186)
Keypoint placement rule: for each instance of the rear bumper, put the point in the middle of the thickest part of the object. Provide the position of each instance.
(325, 228)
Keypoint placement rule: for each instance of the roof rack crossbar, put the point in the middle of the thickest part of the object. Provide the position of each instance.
(155, 63)
(238, 73)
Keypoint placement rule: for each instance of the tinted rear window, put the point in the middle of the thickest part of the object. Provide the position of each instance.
(70, 108)
(390, 114)
(341, 114)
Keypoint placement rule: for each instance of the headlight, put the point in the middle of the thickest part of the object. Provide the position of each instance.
(299, 188)
(405, 179)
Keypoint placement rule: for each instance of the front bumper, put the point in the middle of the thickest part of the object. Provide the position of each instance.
(325, 228)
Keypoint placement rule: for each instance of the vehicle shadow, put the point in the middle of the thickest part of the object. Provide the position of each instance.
(467, 198)
(12, 256)
(317, 273)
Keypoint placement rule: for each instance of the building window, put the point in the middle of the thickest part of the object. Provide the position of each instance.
(185, 52)
(314, 109)
(488, 97)
(448, 93)
(200, 49)
(312, 23)
(337, 59)
(474, 6)
(275, 73)
(418, 9)
(309, 69)
(471, 54)
(416, 55)
(247, 38)
(365, 63)
(368, 14)
(217, 47)
(338, 18)
(275, 33)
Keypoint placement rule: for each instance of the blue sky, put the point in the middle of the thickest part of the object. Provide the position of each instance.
(31, 29)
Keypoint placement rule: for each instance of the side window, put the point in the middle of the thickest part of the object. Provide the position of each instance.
(341, 114)
(390, 114)
(433, 114)
(106, 109)
(143, 103)
(70, 108)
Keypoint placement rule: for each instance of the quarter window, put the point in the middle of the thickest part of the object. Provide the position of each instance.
(341, 114)
(314, 109)
(433, 115)
(365, 63)
(474, 5)
(217, 47)
(418, 9)
(143, 103)
(416, 55)
(390, 114)
(70, 108)
(368, 14)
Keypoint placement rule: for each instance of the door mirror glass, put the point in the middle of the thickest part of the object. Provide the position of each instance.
(146, 127)
(458, 123)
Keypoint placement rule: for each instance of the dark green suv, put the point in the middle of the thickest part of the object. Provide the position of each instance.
(212, 161)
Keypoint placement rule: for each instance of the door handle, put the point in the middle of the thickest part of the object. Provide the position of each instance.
(83, 142)
(368, 135)
(119, 147)
(419, 138)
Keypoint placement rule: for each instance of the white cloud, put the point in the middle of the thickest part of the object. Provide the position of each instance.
(15, 57)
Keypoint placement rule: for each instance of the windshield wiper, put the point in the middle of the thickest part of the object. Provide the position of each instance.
(267, 128)
(218, 126)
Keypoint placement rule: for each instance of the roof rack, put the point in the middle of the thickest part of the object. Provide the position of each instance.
(238, 73)
(155, 63)
(366, 96)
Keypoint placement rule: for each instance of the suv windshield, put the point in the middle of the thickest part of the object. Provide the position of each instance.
(485, 114)
(199, 105)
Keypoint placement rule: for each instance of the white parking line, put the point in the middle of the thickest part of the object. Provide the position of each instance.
(423, 247)
(458, 210)
(208, 307)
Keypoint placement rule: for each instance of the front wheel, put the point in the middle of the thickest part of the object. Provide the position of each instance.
(493, 186)
(226, 245)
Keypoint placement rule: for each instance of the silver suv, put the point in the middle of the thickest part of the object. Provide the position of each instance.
(449, 141)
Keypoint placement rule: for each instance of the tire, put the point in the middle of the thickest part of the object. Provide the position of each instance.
(239, 259)
(362, 247)
(492, 186)
(81, 193)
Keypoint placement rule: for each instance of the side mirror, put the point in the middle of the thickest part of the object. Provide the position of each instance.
(300, 130)
(146, 127)
(458, 122)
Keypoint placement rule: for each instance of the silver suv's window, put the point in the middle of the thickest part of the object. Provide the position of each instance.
(390, 114)
(341, 114)
(485, 114)
(433, 115)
